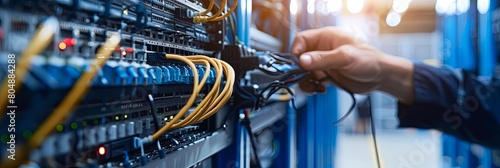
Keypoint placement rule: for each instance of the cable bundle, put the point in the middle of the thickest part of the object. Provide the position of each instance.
(212, 102)
(202, 18)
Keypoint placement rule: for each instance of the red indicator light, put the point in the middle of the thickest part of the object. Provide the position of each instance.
(101, 151)
(70, 42)
(129, 50)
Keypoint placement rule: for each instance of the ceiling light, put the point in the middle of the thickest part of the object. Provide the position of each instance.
(393, 19)
(355, 6)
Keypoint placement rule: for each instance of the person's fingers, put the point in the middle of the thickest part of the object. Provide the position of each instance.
(303, 40)
(337, 59)
(326, 38)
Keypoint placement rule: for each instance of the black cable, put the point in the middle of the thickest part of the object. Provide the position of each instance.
(373, 131)
(155, 118)
(246, 122)
(261, 94)
(351, 109)
(153, 112)
(228, 114)
(232, 23)
(244, 93)
(273, 88)
(261, 98)
(353, 105)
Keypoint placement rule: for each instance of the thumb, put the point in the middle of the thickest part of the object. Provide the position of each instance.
(325, 60)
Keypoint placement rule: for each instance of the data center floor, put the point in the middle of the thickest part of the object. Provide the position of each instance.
(398, 149)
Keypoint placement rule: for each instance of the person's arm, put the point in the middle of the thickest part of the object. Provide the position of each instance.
(455, 103)
(398, 74)
(428, 96)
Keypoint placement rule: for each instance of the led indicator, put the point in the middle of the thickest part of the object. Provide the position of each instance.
(62, 46)
(124, 53)
(129, 50)
(84, 123)
(70, 42)
(117, 118)
(59, 127)
(27, 134)
(5, 138)
(102, 151)
(74, 125)
(125, 116)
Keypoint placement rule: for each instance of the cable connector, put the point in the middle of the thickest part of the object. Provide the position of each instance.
(138, 142)
(200, 19)
(185, 15)
(161, 151)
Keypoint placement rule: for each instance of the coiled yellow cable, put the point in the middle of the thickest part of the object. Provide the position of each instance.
(188, 104)
(212, 102)
(209, 100)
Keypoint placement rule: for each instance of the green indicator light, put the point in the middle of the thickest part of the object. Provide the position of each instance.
(117, 118)
(96, 122)
(125, 116)
(5, 138)
(84, 123)
(74, 125)
(27, 134)
(59, 127)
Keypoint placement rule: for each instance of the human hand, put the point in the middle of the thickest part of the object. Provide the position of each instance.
(354, 65)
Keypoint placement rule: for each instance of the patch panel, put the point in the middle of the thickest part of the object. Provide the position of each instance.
(115, 110)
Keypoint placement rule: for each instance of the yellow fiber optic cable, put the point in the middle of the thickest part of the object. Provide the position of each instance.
(231, 10)
(69, 102)
(41, 39)
(208, 101)
(207, 98)
(230, 79)
(210, 6)
(188, 104)
(203, 19)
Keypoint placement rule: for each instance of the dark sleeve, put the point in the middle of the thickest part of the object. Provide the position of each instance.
(455, 103)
